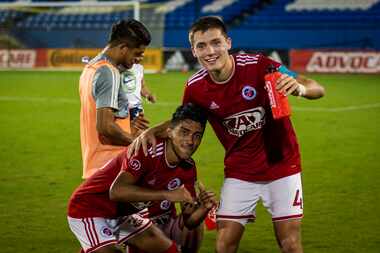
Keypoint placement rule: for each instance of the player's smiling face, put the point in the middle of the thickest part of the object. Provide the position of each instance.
(211, 48)
(185, 138)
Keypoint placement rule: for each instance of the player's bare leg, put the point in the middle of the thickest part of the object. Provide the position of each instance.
(228, 236)
(152, 240)
(288, 235)
(193, 239)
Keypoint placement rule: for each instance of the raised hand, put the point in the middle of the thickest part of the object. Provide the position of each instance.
(207, 199)
(140, 122)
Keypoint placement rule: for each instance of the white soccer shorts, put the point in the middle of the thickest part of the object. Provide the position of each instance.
(282, 198)
(95, 233)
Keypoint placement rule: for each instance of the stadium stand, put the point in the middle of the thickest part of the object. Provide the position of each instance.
(253, 23)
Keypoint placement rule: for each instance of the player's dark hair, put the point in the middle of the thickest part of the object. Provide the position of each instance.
(189, 111)
(205, 23)
(131, 32)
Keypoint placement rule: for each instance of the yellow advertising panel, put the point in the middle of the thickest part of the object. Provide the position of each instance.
(72, 58)
(153, 59)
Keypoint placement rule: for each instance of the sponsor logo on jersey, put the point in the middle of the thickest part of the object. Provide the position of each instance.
(248, 92)
(174, 184)
(134, 220)
(243, 122)
(165, 204)
(105, 231)
(161, 219)
(134, 164)
(214, 106)
(128, 82)
(141, 205)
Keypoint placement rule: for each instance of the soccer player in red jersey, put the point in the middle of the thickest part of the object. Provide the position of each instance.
(262, 159)
(105, 210)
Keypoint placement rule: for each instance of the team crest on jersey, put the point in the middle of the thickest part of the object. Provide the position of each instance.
(174, 184)
(165, 204)
(243, 122)
(134, 164)
(248, 92)
(106, 232)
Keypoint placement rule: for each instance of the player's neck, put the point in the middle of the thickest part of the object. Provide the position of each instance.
(224, 74)
(111, 54)
(171, 156)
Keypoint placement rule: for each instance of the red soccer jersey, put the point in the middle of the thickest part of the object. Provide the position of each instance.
(257, 147)
(91, 198)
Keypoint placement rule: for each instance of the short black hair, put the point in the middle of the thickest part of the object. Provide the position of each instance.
(205, 23)
(191, 112)
(131, 32)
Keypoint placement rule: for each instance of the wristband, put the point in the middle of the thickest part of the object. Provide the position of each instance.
(301, 89)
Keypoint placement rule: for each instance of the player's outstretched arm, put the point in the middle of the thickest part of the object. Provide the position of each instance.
(109, 132)
(124, 189)
(148, 137)
(300, 86)
(313, 90)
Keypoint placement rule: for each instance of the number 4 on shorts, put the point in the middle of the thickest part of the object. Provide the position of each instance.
(297, 200)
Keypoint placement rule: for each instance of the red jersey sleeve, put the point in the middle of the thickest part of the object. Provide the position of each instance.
(266, 62)
(186, 95)
(136, 165)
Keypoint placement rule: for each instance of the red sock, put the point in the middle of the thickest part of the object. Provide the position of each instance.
(172, 248)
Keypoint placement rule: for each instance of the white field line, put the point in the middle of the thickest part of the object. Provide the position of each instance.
(164, 104)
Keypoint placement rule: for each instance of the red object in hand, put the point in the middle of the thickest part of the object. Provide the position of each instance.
(278, 102)
(210, 220)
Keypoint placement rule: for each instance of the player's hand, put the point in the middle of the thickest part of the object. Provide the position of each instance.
(207, 199)
(143, 140)
(140, 122)
(151, 98)
(287, 85)
(181, 194)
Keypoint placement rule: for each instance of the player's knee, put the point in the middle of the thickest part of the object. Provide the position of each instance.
(291, 244)
(229, 235)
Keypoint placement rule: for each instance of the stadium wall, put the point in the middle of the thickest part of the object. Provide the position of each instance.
(288, 38)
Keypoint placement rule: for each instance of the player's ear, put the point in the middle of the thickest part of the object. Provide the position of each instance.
(169, 131)
(124, 47)
(229, 43)
(193, 51)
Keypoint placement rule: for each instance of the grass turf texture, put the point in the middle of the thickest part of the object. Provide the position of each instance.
(41, 163)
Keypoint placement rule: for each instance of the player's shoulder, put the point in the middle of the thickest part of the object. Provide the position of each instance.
(137, 68)
(247, 60)
(197, 77)
(160, 149)
(100, 61)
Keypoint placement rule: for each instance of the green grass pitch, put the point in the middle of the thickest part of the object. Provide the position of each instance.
(41, 163)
